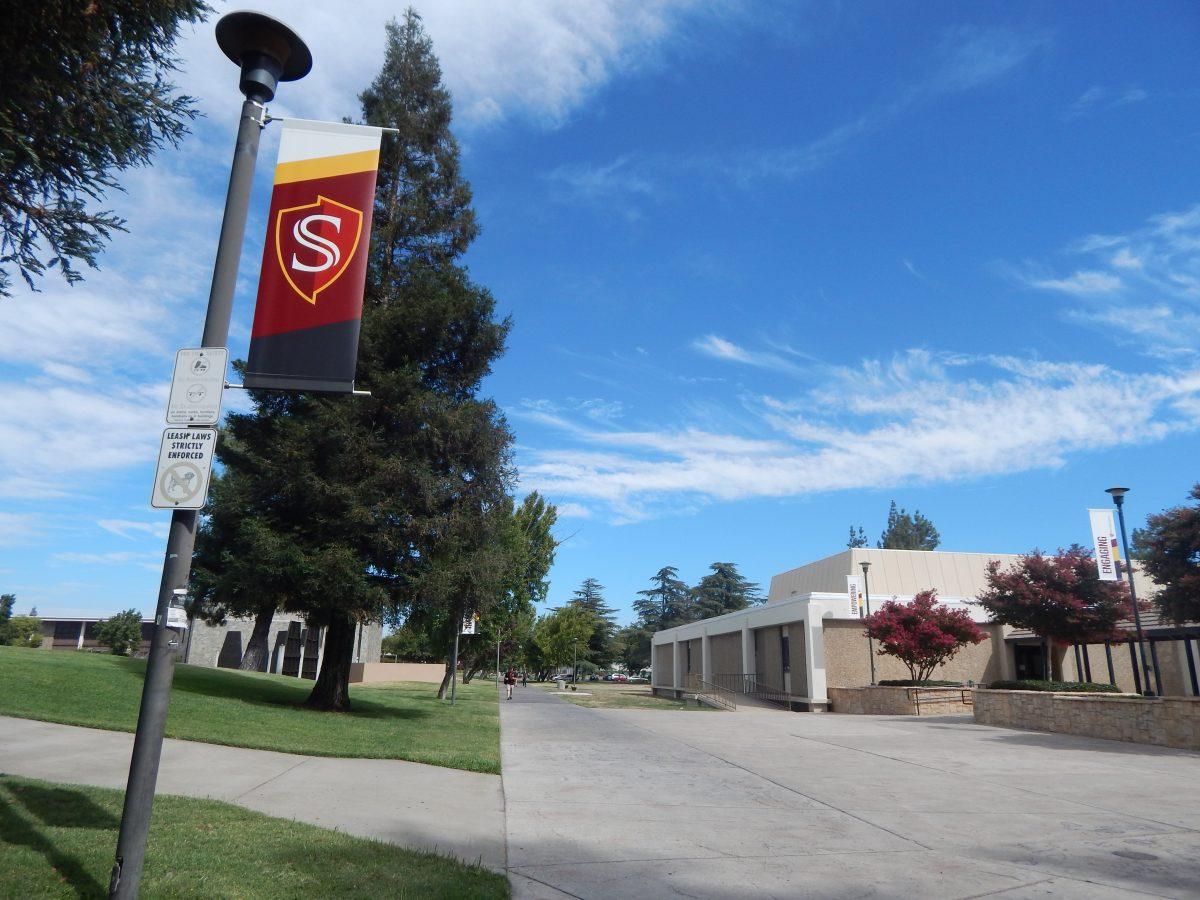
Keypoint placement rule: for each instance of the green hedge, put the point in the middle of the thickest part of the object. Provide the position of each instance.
(1066, 687)
(897, 682)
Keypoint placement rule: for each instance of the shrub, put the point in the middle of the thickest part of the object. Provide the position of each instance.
(121, 633)
(908, 682)
(21, 631)
(1071, 687)
(923, 634)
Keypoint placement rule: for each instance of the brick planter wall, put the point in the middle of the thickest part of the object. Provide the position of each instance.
(896, 701)
(1166, 722)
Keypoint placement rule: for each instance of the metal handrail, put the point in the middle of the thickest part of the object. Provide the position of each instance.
(741, 683)
(719, 695)
(966, 696)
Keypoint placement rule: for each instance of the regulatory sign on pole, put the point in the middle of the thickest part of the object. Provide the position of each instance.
(184, 465)
(197, 386)
(468, 624)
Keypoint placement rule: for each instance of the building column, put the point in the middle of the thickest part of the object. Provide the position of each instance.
(814, 659)
(79, 643)
(748, 662)
(705, 658)
(676, 667)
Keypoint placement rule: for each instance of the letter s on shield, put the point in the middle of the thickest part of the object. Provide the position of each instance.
(315, 243)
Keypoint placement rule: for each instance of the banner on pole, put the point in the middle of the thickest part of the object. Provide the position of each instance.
(314, 268)
(468, 624)
(854, 591)
(1104, 539)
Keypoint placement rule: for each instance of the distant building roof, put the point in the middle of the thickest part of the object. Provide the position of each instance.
(903, 573)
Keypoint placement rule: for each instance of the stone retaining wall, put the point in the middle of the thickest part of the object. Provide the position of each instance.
(897, 701)
(1165, 721)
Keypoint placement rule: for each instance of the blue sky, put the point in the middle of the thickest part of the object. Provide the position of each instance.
(770, 267)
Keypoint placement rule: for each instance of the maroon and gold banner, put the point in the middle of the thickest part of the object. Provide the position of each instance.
(310, 292)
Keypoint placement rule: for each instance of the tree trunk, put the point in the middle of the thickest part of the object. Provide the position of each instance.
(254, 659)
(332, 690)
(445, 685)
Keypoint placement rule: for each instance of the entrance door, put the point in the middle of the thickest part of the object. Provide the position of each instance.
(1029, 661)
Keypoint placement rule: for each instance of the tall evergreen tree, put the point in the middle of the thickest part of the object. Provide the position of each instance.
(857, 538)
(84, 95)
(724, 590)
(908, 532)
(387, 506)
(666, 604)
(590, 596)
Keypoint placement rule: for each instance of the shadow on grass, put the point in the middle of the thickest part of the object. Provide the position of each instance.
(254, 689)
(59, 808)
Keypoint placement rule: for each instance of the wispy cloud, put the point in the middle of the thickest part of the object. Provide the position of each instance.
(719, 348)
(19, 528)
(920, 417)
(966, 59)
(1098, 98)
(1142, 286)
(131, 530)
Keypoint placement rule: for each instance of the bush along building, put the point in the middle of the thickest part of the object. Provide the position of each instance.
(808, 637)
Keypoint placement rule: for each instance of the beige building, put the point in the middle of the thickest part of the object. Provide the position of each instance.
(294, 648)
(807, 637)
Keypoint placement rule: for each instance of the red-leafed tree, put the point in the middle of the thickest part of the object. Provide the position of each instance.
(1060, 598)
(1169, 551)
(923, 634)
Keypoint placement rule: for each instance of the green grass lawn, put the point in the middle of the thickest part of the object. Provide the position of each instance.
(246, 709)
(58, 840)
(615, 695)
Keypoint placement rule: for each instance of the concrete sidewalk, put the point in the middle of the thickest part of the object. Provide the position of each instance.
(762, 803)
(405, 803)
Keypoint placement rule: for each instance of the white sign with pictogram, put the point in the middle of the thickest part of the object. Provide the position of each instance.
(184, 466)
(197, 386)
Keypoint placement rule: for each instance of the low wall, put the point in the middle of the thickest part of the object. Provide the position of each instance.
(1165, 721)
(373, 673)
(897, 701)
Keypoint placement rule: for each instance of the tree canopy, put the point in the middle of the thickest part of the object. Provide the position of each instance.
(666, 604)
(923, 634)
(122, 633)
(84, 95)
(906, 531)
(723, 590)
(1058, 597)
(1169, 551)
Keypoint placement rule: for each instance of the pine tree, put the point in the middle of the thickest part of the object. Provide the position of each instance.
(590, 596)
(723, 591)
(857, 538)
(665, 605)
(908, 532)
(83, 95)
(387, 506)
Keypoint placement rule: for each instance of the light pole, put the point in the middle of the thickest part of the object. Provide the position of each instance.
(1118, 495)
(867, 596)
(575, 664)
(267, 51)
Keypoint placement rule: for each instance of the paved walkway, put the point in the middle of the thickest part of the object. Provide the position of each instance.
(758, 803)
(410, 804)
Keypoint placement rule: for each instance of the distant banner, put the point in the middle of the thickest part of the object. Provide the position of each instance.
(1104, 539)
(854, 591)
(314, 268)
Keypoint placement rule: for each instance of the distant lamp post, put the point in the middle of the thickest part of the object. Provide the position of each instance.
(575, 664)
(1118, 495)
(867, 597)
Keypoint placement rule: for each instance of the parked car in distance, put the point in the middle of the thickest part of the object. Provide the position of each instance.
(620, 676)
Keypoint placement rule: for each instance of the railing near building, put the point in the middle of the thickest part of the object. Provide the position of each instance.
(938, 695)
(740, 683)
(707, 691)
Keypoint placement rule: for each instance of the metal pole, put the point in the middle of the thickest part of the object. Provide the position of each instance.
(1137, 616)
(867, 598)
(497, 662)
(454, 666)
(575, 664)
(160, 667)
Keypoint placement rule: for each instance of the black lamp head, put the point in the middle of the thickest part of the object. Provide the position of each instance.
(267, 50)
(1118, 494)
(865, 565)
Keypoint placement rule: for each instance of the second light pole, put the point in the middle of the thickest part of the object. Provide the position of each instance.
(1118, 495)
(867, 596)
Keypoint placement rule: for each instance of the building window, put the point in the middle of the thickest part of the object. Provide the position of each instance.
(689, 656)
(785, 653)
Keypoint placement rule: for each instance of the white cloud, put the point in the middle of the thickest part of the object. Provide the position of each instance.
(921, 418)
(719, 348)
(525, 59)
(1099, 97)
(1142, 286)
(130, 529)
(19, 528)
(115, 558)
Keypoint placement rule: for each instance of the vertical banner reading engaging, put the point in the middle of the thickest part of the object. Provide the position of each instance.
(314, 268)
(854, 591)
(1104, 538)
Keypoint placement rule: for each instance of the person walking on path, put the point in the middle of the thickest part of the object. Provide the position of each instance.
(510, 678)
(524, 679)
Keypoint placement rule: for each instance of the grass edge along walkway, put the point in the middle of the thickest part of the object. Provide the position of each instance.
(404, 720)
(57, 841)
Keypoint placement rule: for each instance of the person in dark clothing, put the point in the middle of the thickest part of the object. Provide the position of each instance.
(510, 678)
